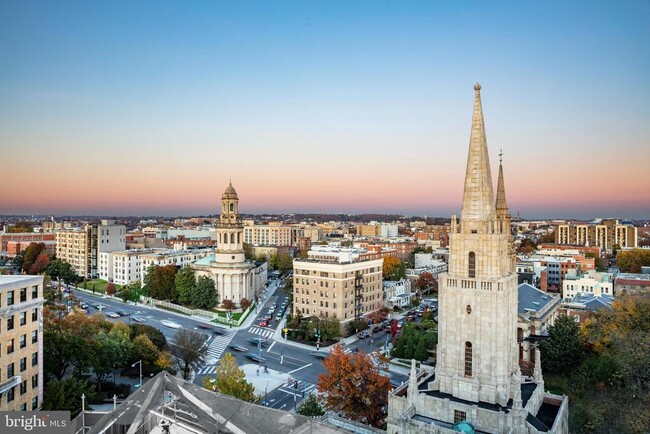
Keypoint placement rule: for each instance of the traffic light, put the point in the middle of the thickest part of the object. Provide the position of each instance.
(295, 384)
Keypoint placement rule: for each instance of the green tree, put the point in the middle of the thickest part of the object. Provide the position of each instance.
(145, 350)
(563, 349)
(188, 348)
(422, 350)
(204, 294)
(124, 293)
(248, 252)
(154, 335)
(109, 351)
(230, 380)
(160, 282)
(65, 395)
(285, 262)
(185, 284)
(311, 407)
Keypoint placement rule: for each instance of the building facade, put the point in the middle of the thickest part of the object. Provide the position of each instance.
(22, 238)
(267, 235)
(477, 383)
(592, 283)
(335, 283)
(21, 343)
(605, 235)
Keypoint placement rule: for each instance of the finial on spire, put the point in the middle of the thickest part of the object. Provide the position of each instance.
(230, 181)
(477, 86)
(500, 156)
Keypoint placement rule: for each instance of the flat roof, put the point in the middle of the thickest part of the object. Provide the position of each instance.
(12, 280)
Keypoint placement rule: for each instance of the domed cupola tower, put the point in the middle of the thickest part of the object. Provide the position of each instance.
(230, 231)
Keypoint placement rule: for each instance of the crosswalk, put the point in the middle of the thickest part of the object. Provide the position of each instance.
(303, 388)
(214, 352)
(266, 333)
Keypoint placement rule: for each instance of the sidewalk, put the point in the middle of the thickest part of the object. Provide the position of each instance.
(264, 382)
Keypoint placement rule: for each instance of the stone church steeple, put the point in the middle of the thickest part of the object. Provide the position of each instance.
(230, 231)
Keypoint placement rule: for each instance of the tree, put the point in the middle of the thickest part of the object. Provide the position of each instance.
(185, 281)
(244, 303)
(526, 247)
(155, 336)
(30, 255)
(204, 294)
(248, 252)
(40, 265)
(394, 268)
(61, 270)
(426, 282)
(227, 304)
(145, 350)
(108, 352)
(563, 349)
(124, 293)
(230, 380)
(631, 261)
(188, 348)
(285, 262)
(311, 407)
(65, 395)
(20, 227)
(352, 385)
(110, 289)
(160, 281)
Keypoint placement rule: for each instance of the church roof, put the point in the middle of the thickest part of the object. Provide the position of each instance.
(478, 195)
(531, 299)
(229, 191)
(194, 409)
(205, 260)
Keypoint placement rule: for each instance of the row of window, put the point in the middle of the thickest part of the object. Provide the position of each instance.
(11, 396)
(22, 365)
(10, 298)
(22, 342)
(22, 319)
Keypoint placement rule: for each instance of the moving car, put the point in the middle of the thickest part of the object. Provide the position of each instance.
(112, 314)
(171, 324)
(138, 319)
(238, 348)
(264, 323)
(364, 334)
(255, 357)
(122, 313)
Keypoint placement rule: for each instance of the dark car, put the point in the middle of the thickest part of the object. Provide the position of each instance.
(256, 341)
(212, 329)
(363, 335)
(238, 348)
(255, 357)
(377, 329)
(122, 313)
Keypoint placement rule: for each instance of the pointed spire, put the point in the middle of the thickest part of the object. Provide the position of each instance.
(501, 188)
(412, 390)
(478, 197)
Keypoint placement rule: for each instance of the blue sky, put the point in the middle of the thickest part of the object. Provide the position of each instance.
(350, 106)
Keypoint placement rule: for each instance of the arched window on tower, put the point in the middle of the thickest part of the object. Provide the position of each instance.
(471, 266)
(232, 207)
(468, 359)
(238, 238)
(232, 238)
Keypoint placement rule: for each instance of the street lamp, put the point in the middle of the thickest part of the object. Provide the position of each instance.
(139, 362)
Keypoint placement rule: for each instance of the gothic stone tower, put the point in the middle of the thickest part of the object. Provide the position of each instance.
(477, 345)
(230, 231)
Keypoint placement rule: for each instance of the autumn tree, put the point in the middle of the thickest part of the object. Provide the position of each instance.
(204, 294)
(110, 289)
(185, 282)
(245, 303)
(426, 282)
(526, 247)
(41, 263)
(631, 261)
(188, 348)
(145, 350)
(230, 380)
(30, 255)
(351, 385)
(394, 268)
(228, 304)
(155, 336)
(248, 252)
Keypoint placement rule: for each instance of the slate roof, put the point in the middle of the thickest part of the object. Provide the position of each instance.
(189, 405)
(593, 303)
(532, 299)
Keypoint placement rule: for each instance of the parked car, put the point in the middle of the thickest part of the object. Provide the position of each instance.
(122, 313)
(376, 329)
(83, 305)
(256, 341)
(138, 319)
(364, 334)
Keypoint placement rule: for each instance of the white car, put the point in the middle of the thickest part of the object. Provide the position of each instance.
(138, 319)
(112, 314)
(171, 324)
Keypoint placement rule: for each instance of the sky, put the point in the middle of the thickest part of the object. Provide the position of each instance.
(150, 107)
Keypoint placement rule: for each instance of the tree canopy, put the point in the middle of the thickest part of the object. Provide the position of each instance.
(185, 282)
(230, 380)
(352, 385)
(394, 268)
(204, 294)
(631, 261)
(188, 348)
(159, 282)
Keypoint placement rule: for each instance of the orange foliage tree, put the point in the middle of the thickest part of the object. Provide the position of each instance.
(352, 385)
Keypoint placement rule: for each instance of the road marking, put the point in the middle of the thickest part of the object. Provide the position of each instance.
(270, 347)
(302, 367)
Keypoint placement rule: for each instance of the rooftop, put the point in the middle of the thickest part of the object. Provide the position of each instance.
(532, 299)
(12, 280)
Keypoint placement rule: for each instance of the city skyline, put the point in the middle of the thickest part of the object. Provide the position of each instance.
(321, 107)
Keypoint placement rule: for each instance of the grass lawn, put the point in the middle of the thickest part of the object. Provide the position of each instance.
(235, 315)
(100, 285)
(556, 383)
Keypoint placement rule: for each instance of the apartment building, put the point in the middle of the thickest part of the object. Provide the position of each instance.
(604, 235)
(21, 343)
(162, 257)
(82, 247)
(314, 233)
(267, 235)
(633, 284)
(333, 282)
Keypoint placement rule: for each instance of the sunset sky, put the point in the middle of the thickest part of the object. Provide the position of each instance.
(149, 107)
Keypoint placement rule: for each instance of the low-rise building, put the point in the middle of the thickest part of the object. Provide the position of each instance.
(582, 306)
(397, 293)
(537, 311)
(22, 239)
(592, 282)
(632, 284)
(21, 342)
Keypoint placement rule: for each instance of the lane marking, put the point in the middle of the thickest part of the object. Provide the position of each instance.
(303, 367)
(270, 347)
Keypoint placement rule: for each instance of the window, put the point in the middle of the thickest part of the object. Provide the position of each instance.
(11, 394)
(10, 323)
(23, 387)
(35, 336)
(34, 359)
(468, 359)
(23, 295)
(10, 298)
(23, 318)
(459, 416)
(23, 407)
(10, 370)
(23, 364)
(34, 315)
(34, 381)
(471, 267)
(23, 341)
(10, 347)
(34, 292)
(34, 403)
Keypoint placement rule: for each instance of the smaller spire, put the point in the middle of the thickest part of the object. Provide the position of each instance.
(501, 204)
(412, 390)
